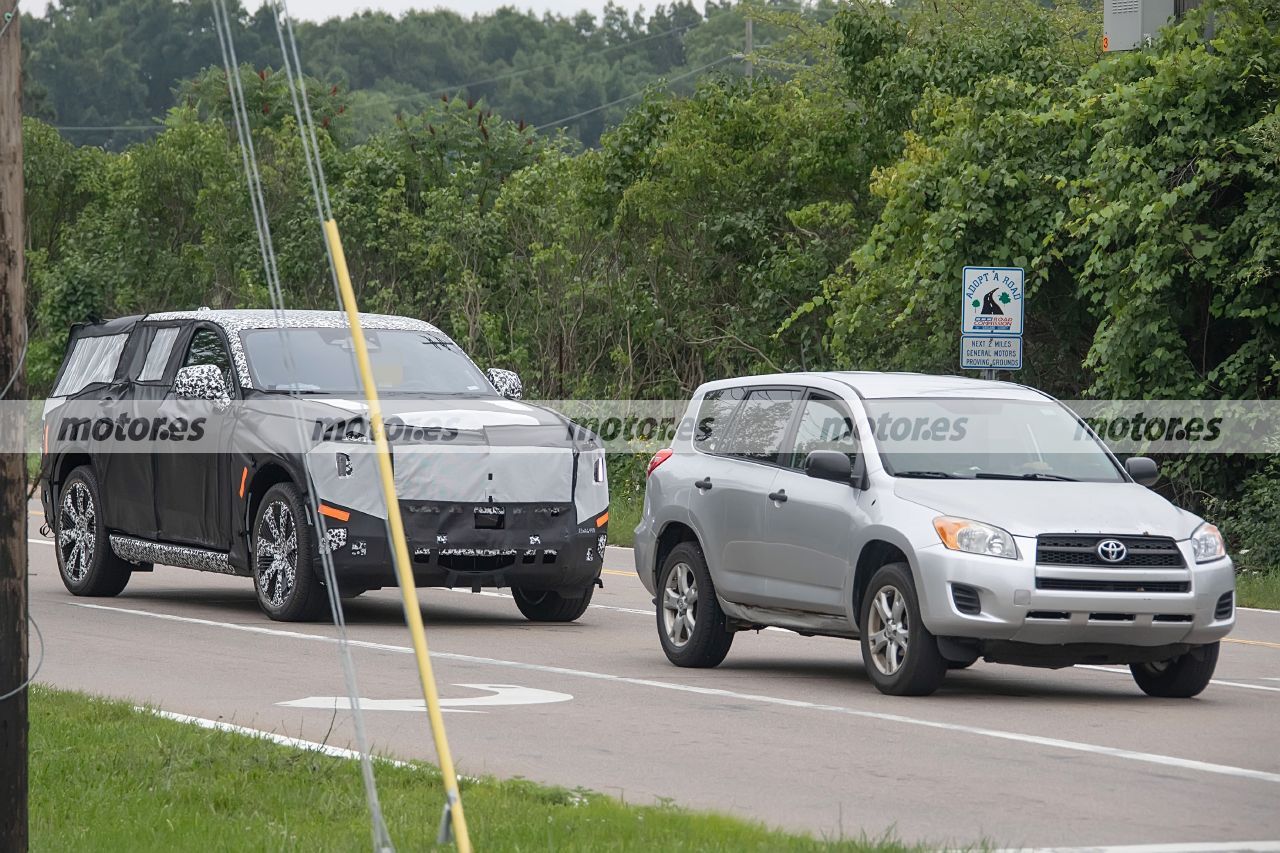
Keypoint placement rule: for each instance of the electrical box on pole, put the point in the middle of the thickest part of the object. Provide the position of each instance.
(1131, 24)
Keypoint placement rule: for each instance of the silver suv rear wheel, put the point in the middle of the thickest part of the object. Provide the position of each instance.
(691, 626)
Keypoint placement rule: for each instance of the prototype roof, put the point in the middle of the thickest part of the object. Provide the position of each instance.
(235, 321)
(266, 318)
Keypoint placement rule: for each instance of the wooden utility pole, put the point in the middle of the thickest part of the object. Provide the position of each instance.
(13, 463)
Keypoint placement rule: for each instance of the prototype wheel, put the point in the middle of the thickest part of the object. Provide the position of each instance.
(1178, 678)
(901, 656)
(86, 562)
(548, 606)
(691, 625)
(284, 558)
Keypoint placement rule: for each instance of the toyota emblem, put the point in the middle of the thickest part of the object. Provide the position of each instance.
(1112, 550)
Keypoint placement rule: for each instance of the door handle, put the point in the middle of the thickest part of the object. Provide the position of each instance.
(703, 485)
(780, 496)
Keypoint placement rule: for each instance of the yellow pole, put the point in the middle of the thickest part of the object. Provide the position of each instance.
(399, 550)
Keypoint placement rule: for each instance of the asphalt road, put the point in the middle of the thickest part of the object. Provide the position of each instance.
(788, 730)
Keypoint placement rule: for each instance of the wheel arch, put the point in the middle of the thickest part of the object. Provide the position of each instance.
(673, 533)
(876, 552)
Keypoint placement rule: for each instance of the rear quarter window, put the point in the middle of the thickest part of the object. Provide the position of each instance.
(91, 361)
(714, 415)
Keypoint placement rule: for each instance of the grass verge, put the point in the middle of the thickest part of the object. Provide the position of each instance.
(105, 776)
(1258, 589)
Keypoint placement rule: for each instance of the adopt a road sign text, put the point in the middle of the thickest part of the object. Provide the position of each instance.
(991, 301)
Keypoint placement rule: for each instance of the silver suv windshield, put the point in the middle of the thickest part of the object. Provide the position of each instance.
(320, 361)
(969, 438)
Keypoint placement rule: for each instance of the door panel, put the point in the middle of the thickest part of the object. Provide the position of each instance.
(193, 489)
(128, 479)
(754, 446)
(812, 533)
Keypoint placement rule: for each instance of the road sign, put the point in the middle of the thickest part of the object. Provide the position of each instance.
(990, 352)
(501, 694)
(991, 301)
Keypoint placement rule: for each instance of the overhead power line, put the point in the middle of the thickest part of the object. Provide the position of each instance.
(567, 119)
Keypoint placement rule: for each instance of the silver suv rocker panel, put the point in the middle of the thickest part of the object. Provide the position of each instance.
(792, 620)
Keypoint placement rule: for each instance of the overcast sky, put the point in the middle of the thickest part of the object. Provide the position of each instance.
(319, 10)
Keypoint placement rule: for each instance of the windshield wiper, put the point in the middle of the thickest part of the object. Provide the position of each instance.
(928, 475)
(1034, 475)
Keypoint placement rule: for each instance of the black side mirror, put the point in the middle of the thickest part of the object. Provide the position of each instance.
(829, 465)
(1143, 470)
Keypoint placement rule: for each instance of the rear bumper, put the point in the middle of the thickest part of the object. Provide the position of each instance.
(1013, 610)
(537, 547)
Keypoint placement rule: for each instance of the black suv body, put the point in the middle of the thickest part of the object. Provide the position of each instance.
(237, 442)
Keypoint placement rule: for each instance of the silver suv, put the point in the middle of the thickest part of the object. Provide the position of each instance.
(938, 520)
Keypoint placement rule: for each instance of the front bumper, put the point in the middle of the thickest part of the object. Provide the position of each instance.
(536, 546)
(1013, 609)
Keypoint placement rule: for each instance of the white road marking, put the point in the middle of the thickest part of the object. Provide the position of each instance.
(40, 541)
(500, 694)
(1185, 847)
(297, 743)
(997, 734)
(1096, 668)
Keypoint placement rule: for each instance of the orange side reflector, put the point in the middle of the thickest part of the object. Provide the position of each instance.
(244, 475)
(602, 520)
(335, 513)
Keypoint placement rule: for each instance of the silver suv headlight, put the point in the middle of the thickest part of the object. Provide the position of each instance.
(1207, 544)
(974, 537)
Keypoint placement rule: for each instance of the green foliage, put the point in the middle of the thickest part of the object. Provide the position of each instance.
(91, 63)
(1249, 522)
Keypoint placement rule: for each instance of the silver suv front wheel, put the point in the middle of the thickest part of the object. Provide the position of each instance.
(900, 655)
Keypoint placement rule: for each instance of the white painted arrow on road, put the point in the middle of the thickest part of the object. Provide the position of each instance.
(500, 694)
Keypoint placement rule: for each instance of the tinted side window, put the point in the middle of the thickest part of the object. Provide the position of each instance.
(714, 416)
(761, 424)
(207, 348)
(824, 425)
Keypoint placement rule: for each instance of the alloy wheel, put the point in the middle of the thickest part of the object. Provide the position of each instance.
(77, 531)
(276, 553)
(680, 604)
(889, 630)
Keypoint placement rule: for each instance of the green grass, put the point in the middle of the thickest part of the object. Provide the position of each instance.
(105, 776)
(1258, 589)
(624, 515)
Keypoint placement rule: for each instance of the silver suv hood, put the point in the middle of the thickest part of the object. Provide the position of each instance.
(1034, 507)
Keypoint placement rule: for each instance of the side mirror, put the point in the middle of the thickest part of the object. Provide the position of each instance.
(507, 382)
(1143, 470)
(202, 382)
(829, 465)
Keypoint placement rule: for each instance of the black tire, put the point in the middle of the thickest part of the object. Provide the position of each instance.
(908, 662)
(1180, 678)
(86, 562)
(548, 606)
(284, 558)
(693, 632)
